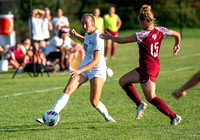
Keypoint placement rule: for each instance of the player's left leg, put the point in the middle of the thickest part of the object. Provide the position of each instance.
(73, 84)
(149, 92)
(126, 83)
(96, 85)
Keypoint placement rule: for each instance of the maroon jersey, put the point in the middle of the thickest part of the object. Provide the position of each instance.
(149, 46)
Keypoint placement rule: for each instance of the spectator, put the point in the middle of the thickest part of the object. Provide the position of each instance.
(15, 55)
(112, 23)
(72, 50)
(59, 21)
(29, 51)
(37, 22)
(99, 23)
(55, 49)
(1, 52)
(47, 25)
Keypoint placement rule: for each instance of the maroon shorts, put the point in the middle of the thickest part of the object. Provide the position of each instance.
(113, 33)
(146, 75)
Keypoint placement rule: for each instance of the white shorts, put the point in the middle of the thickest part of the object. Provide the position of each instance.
(89, 74)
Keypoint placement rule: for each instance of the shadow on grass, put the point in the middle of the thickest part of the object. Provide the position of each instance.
(43, 127)
(18, 128)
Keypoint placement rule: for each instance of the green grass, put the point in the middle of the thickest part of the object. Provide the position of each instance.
(79, 120)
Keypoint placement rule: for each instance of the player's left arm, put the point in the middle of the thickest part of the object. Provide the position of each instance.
(177, 38)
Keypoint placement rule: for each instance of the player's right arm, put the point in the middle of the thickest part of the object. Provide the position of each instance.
(177, 38)
(77, 35)
(121, 40)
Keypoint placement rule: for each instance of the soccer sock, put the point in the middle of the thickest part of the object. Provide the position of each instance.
(113, 51)
(106, 51)
(61, 102)
(132, 93)
(163, 107)
(102, 109)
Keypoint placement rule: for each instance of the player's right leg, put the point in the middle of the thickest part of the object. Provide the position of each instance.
(126, 83)
(72, 85)
(149, 92)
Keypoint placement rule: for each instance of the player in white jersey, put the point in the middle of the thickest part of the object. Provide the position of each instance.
(35, 24)
(47, 25)
(93, 68)
(59, 20)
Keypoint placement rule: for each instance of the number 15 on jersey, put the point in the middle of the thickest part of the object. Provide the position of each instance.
(154, 49)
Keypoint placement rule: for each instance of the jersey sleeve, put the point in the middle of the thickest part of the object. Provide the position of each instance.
(57, 42)
(141, 35)
(166, 32)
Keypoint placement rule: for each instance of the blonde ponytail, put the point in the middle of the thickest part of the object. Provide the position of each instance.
(146, 14)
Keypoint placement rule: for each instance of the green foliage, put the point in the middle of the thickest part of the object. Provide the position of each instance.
(24, 99)
(167, 12)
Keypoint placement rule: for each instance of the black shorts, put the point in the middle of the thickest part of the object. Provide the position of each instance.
(46, 39)
(37, 41)
(54, 55)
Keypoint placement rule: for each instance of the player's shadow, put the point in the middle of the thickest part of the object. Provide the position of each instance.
(93, 125)
(18, 128)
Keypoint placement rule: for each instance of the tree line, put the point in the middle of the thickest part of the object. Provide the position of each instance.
(169, 13)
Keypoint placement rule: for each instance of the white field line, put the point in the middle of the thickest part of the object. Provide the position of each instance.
(86, 84)
(186, 56)
(177, 70)
(37, 91)
(180, 56)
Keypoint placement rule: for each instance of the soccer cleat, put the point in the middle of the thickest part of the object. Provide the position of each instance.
(178, 94)
(109, 119)
(140, 110)
(176, 120)
(40, 120)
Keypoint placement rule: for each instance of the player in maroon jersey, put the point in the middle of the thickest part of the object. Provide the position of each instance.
(149, 41)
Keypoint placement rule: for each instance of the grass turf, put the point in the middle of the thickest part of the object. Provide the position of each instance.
(24, 99)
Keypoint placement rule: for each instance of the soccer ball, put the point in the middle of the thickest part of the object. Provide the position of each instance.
(51, 118)
(109, 72)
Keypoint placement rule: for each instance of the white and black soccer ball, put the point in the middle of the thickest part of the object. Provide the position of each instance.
(51, 118)
(109, 72)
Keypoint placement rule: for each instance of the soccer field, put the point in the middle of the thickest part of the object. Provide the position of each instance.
(24, 99)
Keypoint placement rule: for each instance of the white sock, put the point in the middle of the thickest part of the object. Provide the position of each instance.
(61, 102)
(102, 109)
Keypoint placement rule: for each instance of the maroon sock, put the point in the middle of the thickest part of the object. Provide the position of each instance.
(163, 107)
(132, 93)
(106, 51)
(113, 51)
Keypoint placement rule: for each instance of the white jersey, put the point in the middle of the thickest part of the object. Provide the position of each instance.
(56, 21)
(94, 43)
(45, 28)
(67, 42)
(53, 44)
(36, 28)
